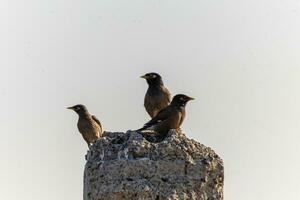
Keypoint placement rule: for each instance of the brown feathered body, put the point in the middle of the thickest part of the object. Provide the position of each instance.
(156, 99)
(172, 118)
(89, 128)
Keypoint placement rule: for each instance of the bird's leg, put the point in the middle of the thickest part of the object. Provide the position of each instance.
(178, 130)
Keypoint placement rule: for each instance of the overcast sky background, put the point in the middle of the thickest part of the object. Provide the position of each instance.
(239, 59)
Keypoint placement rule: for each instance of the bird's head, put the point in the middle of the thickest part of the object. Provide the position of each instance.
(153, 78)
(181, 99)
(79, 109)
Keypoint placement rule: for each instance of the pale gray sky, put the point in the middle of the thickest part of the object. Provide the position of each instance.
(239, 59)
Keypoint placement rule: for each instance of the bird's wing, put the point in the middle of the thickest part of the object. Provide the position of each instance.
(96, 120)
(161, 115)
(164, 100)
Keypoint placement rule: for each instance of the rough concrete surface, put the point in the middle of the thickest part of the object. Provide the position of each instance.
(127, 166)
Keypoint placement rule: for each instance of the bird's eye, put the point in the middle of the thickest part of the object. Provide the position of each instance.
(181, 98)
(153, 76)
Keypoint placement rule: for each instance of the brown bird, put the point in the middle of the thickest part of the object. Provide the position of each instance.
(157, 96)
(88, 125)
(170, 117)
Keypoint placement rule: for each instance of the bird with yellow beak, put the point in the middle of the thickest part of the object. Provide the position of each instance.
(157, 96)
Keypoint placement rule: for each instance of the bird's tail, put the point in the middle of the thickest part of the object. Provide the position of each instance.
(141, 129)
(145, 127)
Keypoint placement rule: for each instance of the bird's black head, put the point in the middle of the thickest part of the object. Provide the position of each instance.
(79, 109)
(181, 100)
(153, 79)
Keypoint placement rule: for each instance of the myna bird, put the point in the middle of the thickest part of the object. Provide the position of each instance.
(170, 117)
(157, 96)
(88, 125)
